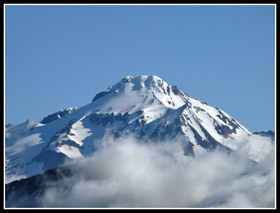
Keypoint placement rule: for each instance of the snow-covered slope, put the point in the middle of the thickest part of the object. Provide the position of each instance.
(146, 106)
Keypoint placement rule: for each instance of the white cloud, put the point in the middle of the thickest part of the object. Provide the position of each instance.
(126, 172)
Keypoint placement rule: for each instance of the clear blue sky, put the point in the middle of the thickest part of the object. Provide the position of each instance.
(61, 56)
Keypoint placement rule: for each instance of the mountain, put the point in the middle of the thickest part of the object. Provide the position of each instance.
(25, 192)
(268, 133)
(145, 106)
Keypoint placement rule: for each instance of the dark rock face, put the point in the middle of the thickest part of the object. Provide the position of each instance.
(25, 192)
(55, 116)
(224, 130)
(175, 90)
(100, 95)
(104, 118)
(209, 143)
(268, 133)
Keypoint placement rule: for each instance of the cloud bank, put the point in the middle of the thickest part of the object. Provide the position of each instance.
(126, 172)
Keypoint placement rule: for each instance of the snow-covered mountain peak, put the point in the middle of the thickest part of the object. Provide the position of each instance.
(140, 82)
(143, 90)
(145, 105)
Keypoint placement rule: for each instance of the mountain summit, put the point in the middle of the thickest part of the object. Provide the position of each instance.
(146, 106)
